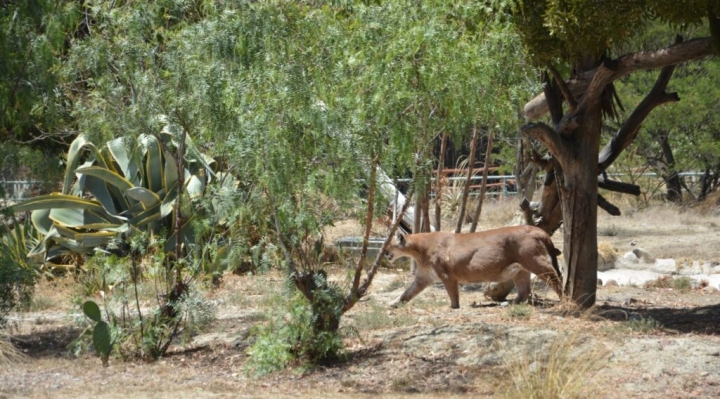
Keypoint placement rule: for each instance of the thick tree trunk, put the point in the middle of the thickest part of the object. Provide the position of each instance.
(579, 196)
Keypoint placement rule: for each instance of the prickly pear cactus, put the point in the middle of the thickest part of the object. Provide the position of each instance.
(102, 340)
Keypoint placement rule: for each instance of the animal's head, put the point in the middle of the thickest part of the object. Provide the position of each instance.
(397, 247)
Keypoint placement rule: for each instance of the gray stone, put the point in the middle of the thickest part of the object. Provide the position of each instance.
(628, 276)
(629, 258)
(643, 255)
(665, 266)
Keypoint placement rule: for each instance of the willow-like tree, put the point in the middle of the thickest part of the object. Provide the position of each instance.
(576, 41)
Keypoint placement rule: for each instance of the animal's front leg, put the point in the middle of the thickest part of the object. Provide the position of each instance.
(420, 283)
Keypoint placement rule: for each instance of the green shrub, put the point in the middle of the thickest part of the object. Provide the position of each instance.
(17, 274)
(135, 332)
(293, 337)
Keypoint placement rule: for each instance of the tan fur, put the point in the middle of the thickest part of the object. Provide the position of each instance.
(491, 255)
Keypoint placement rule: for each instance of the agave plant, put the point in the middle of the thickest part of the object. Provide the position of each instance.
(121, 188)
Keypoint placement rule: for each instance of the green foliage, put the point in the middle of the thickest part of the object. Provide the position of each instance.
(568, 31)
(101, 337)
(33, 43)
(292, 336)
(17, 273)
(132, 187)
(133, 331)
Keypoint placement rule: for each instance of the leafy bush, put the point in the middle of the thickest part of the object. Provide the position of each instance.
(125, 186)
(17, 274)
(294, 337)
(124, 283)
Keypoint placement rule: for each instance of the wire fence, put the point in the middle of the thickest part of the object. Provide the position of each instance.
(19, 190)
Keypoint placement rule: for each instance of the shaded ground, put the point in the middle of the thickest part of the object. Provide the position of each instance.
(652, 342)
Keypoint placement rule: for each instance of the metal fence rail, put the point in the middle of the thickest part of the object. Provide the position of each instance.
(19, 190)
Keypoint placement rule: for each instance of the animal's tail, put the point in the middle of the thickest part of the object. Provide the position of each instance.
(554, 253)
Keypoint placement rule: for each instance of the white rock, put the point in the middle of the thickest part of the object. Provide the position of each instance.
(628, 277)
(690, 270)
(666, 266)
(630, 257)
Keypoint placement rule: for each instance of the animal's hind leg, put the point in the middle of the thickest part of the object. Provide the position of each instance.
(522, 283)
(542, 267)
(451, 286)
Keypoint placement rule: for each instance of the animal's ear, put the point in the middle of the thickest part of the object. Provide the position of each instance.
(401, 238)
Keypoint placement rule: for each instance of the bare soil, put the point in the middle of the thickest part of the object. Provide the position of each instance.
(653, 342)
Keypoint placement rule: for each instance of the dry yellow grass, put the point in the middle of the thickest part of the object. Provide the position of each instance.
(9, 355)
(564, 370)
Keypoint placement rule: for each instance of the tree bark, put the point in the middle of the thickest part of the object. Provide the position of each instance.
(669, 174)
(675, 54)
(579, 195)
(438, 183)
(466, 189)
(483, 187)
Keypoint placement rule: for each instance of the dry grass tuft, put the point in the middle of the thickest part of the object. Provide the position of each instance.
(9, 355)
(681, 283)
(564, 369)
(607, 254)
(710, 206)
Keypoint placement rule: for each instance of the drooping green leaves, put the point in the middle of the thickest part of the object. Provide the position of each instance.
(121, 204)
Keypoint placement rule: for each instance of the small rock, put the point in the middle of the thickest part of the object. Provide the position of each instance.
(665, 266)
(611, 283)
(630, 257)
(644, 255)
(710, 290)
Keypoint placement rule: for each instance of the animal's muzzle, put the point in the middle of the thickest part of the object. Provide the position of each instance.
(388, 255)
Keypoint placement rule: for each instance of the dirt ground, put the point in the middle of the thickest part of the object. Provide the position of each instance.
(648, 342)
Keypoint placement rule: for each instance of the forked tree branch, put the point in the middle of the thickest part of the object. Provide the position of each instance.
(368, 222)
(564, 89)
(354, 296)
(629, 130)
(546, 135)
(554, 100)
(672, 55)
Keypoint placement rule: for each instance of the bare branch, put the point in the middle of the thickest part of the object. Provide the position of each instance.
(607, 206)
(546, 135)
(368, 222)
(618, 186)
(483, 186)
(629, 130)
(466, 189)
(672, 55)
(438, 182)
(602, 76)
(554, 100)
(354, 296)
(563, 87)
